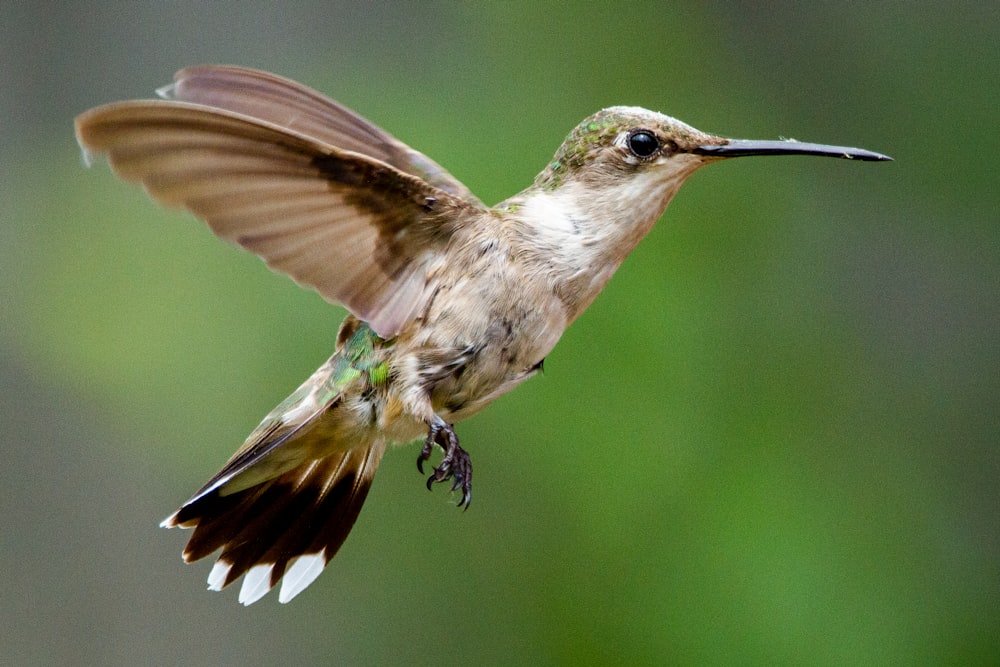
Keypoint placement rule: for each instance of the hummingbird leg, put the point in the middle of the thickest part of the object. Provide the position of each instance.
(456, 464)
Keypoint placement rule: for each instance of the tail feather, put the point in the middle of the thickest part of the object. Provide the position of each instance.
(288, 526)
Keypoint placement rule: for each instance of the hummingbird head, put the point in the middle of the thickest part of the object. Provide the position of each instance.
(613, 177)
(619, 142)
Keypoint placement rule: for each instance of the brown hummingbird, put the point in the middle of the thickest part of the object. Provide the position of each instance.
(452, 303)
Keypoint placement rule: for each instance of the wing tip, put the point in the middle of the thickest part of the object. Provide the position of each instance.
(167, 92)
(87, 157)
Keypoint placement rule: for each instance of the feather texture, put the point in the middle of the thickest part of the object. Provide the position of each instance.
(358, 230)
(302, 516)
(463, 302)
(287, 499)
(291, 105)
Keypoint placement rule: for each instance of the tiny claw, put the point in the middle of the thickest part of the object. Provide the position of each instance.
(466, 498)
(465, 483)
(455, 465)
(425, 453)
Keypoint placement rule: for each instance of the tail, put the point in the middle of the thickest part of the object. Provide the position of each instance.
(289, 527)
(284, 503)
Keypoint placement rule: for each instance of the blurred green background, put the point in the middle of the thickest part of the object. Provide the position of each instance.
(773, 440)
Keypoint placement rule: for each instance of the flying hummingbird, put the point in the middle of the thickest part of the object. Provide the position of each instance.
(451, 303)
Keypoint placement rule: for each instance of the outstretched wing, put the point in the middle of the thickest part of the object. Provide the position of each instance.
(293, 106)
(358, 230)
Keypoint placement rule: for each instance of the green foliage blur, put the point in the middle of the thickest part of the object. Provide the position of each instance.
(773, 440)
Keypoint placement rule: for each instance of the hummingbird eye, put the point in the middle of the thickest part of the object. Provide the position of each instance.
(643, 143)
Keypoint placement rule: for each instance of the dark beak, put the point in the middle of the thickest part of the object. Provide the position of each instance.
(742, 147)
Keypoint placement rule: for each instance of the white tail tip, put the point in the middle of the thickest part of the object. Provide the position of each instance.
(217, 577)
(302, 572)
(256, 583)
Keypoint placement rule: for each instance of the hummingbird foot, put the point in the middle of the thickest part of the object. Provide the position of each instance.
(456, 464)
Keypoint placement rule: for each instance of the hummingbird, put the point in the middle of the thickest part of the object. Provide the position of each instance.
(451, 303)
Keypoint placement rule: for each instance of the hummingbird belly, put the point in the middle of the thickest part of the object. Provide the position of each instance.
(483, 338)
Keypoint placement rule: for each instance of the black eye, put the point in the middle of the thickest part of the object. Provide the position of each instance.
(643, 143)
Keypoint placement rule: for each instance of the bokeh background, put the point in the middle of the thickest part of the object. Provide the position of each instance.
(774, 438)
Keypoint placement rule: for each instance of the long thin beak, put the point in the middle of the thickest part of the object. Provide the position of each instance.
(741, 147)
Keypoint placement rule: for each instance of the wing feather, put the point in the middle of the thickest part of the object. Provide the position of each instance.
(359, 231)
(291, 105)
